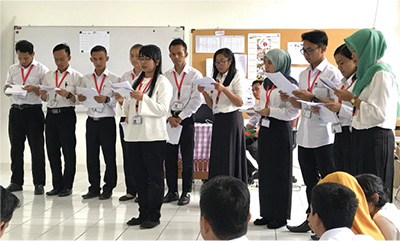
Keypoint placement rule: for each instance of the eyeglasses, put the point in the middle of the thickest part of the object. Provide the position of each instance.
(308, 50)
(222, 63)
(144, 59)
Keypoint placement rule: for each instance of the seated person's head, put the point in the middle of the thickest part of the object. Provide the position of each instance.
(375, 192)
(224, 208)
(9, 202)
(256, 88)
(332, 205)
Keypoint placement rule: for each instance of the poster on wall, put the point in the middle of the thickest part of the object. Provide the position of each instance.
(210, 44)
(89, 39)
(258, 45)
(294, 51)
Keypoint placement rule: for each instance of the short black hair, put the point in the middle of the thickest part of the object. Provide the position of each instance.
(335, 204)
(225, 204)
(136, 46)
(178, 41)
(232, 69)
(372, 184)
(317, 37)
(257, 82)
(98, 48)
(62, 46)
(343, 50)
(9, 202)
(24, 46)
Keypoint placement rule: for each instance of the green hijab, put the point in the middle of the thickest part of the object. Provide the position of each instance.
(370, 45)
(280, 59)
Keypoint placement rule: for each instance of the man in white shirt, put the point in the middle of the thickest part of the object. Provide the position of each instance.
(333, 207)
(61, 120)
(26, 119)
(185, 102)
(100, 126)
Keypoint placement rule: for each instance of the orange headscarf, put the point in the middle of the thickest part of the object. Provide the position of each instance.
(363, 223)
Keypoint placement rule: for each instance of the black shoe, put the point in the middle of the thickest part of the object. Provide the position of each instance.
(53, 192)
(65, 193)
(135, 221)
(275, 224)
(149, 224)
(261, 221)
(39, 189)
(302, 228)
(314, 237)
(185, 199)
(125, 198)
(137, 199)
(90, 195)
(105, 195)
(170, 197)
(14, 187)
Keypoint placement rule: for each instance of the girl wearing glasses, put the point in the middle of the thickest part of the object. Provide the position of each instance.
(146, 135)
(227, 155)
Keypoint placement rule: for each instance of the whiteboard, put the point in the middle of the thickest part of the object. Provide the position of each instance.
(121, 39)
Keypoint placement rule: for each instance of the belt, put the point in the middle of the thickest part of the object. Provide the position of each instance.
(99, 118)
(56, 111)
(26, 106)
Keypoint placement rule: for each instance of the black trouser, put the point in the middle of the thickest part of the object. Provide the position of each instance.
(147, 168)
(129, 180)
(27, 123)
(342, 151)
(252, 147)
(315, 163)
(60, 133)
(101, 133)
(186, 142)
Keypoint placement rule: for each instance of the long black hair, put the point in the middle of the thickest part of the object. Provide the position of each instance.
(343, 50)
(372, 184)
(232, 69)
(154, 53)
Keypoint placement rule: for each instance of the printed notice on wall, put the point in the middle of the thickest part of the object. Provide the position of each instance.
(210, 44)
(294, 51)
(89, 39)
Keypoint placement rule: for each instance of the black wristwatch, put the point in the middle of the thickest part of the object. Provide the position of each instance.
(107, 99)
(314, 99)
(69, 96)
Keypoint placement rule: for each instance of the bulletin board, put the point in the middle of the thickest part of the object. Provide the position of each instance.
(335, 39)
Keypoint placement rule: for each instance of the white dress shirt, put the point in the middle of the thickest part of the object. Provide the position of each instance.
(279, 109)
(225, 105)
(346, 109)
(242, 238)
(190, 96)
(127, 76)
(341, 234)
(153, 111)
(314, 132)
(255, 118)
(72, 78)
(379, 103)
(88, 81)
(14, 77)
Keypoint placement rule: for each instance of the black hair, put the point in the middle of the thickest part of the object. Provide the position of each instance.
(24, 46)
(372, 184)
(98, 48)
(232, 69)
(343, 50)
(178, 41)
(154, 53)
(136, 46)
(62, 46)
(225, 204)
(257, 82)
(335, 204)
(317, 37)
(9, 202)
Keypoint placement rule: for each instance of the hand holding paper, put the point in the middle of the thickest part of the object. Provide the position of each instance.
(89, 93)
(282, 83)
(327, 83)
(15, 90)
(48, 89)
(122, 88)
(205, 82)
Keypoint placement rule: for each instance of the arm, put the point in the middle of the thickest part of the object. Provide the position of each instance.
(207, 97)
(387, 228)
(157, 107)
(193, 104)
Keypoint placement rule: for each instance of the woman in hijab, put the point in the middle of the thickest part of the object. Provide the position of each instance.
(275, 145)
(374, 98)
(363, 223)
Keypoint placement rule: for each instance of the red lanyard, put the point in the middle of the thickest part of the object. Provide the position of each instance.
(352, 82)
(101, 85)
(268, 94)
(219, 93)
(24, 78)
(133, 76)
(144, 90)
(62, 79)
(180, 85)
(310, 88)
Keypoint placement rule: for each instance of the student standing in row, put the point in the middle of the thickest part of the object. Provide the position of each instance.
(146, 135)
(61, 121)
(129, 76)
(185, 102)
(26, 119)
(100, 126)
(228, 151)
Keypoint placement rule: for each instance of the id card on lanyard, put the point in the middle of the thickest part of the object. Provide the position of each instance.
(99, 109)
(54, 103)
(307, 113)
(178, 105)
(24, 78)
(137, 119)
(265, 122)
(215, 109)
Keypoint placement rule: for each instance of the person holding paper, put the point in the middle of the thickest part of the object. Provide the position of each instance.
(275, 143)
(100, 125)
(344, 110)
(146, 135)
(61, 121)
(374, 96)
(185, 102)
(228, 150)
(129, 76)
(26, 119)
(315, 138)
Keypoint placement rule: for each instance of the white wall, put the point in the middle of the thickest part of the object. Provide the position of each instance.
(193, 15)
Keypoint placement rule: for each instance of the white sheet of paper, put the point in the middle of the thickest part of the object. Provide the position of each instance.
(311, 103)
(124, 126)
(247, 111)
(206, 83)
(282, 83)
(125, 85)
(327, 115)
(16, 90)
(49, 90)
(174, 134)
(90, 93)
(328, 83)
(123, 92)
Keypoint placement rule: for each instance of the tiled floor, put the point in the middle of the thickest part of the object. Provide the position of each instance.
(72, 218)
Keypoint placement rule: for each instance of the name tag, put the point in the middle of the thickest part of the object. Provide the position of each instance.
(215, 110)
(53, 103)
(136, 120)
(307, 113)
(99, 109)
(336, 128)
(265, 122)
(177, 106)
